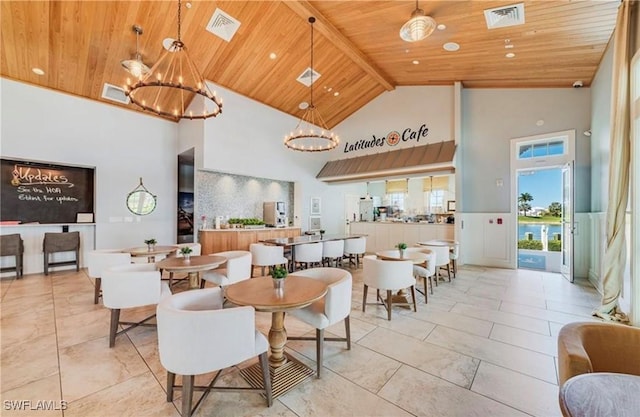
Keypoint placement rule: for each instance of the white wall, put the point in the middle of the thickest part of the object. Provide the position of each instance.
(123, 145)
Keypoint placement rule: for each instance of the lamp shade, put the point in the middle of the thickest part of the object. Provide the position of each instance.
(418, 27)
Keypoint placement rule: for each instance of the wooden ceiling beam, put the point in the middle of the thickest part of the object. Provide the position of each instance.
(305, 10)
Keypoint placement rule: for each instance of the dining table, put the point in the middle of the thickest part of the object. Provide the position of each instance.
(151, 252)
(298, 292)
(192, 266)
(292, 242)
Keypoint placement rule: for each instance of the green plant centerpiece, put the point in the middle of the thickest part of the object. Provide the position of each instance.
(401, 247)
(151, 244)
(185, 251)
(279, 273)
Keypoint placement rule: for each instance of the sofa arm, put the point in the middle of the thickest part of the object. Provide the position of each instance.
(572, 357)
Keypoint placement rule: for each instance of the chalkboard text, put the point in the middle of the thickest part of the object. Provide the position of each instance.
(27, 176)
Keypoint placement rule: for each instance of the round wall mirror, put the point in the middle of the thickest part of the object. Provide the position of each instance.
(140, 201)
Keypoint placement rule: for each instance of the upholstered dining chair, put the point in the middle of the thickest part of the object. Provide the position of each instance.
(425, 271)
(454, 253)
(101, 259)
(238, 268)
(388, 276)
(61, 242)
(354, 249)
(442, 258)
(12, 245)
(309, 254)
(332, 251)
(129, 286)
(266, 256)
(335, 306)
(197, 336)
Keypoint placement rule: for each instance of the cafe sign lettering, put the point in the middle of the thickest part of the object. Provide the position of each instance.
(391, 139)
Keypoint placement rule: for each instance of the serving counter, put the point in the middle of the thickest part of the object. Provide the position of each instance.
(220, 240)
(386, 235)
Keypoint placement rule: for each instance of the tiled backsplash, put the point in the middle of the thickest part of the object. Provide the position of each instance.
(221, 194)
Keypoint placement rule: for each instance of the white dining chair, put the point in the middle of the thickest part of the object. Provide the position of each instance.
(130, 286)
(101, 259)
(237, 268)
(197, 336)
(332, 252)
(266, 256)
(388, 276)
(355, 248)
(333, 307)
(454, 253)
(442, 258)
(309, 254)
(425, 271)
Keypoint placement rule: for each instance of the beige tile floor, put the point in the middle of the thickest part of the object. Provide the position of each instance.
(484, 345)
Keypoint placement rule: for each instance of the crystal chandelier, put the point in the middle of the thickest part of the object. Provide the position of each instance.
(418, 27)
(173, 81)
(311, 133)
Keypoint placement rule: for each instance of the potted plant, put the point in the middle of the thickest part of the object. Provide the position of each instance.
(279, 273)
(151, 244)
(185, 251)
(401, 247)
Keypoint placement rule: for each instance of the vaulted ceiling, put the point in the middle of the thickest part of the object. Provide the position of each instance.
(357, 49)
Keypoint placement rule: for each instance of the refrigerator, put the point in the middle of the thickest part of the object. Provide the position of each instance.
(366, 210)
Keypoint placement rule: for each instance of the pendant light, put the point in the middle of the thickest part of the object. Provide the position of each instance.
(418, 27)
(135, 66)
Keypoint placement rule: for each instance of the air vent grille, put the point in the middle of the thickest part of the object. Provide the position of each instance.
(223, 25)
(114, 93)
(505, 16)
(305, 77)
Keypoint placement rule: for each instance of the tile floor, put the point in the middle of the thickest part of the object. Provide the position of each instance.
(484, 345)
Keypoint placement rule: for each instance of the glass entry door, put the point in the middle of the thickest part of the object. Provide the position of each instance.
(566, 268)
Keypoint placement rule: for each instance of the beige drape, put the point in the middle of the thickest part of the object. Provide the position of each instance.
(615, 252)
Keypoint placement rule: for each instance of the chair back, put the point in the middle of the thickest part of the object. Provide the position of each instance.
(11, 245)
(196, 335)
(387, 275)
(196, 249)
(355, 246)
(61, 242)
(309, 252)
(337, 301)
(238, 266)
(266, 255)
(454, 252)
(442, 253)
(133, 285)
(101, 259)
(332, 248)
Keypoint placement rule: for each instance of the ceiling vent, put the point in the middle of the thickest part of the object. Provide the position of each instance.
(501, 17)
(305, 77)
(113, 93)
(223, 25)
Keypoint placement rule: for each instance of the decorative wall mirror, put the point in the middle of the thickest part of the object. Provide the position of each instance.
(140, 201)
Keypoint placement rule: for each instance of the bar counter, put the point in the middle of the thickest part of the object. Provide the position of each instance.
(220, 240)
(386, 235)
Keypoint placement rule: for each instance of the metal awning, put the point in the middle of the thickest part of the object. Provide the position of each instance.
(430, 158)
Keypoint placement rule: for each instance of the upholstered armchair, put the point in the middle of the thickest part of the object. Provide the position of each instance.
(101, 259)
(388, 276)
(238, 268)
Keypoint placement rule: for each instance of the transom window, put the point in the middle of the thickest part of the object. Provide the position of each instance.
(541, 149)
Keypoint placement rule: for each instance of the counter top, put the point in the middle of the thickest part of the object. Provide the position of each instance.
(250, 229)
(418, 223)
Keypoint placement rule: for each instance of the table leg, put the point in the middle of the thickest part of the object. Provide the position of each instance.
(151, 259)
(194, 280)
(277, 340)
(401, 298)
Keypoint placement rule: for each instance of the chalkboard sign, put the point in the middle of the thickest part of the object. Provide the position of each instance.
(44, 192)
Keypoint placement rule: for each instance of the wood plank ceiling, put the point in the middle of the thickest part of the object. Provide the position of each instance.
(357, 50)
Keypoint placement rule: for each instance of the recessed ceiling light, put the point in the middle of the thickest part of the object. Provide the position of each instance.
(451, 46)
(166, 43)
(441, 26)
(336, 94)
(303, 105)
(37, 71)
(415, 62)
(273, 55)
(188, 5)
(510, 55)
(406, 51)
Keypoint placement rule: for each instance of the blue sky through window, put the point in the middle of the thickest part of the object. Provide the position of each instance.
(544, 185)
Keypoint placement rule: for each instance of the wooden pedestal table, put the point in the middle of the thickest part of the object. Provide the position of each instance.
(151, 253)
(416, 258)
(286, 371)
(193, 266)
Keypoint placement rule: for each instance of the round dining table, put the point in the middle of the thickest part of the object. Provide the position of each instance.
(192, 266)
(416, 257)
(151, 253)
(260, 293)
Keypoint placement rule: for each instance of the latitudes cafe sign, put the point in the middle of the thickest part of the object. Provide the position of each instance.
(391, 139)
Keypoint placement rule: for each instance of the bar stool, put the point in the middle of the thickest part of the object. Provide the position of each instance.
(12, 245)
(61, 242)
